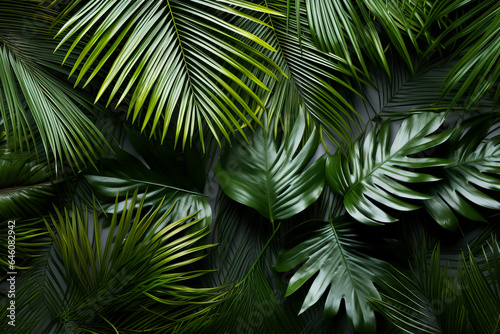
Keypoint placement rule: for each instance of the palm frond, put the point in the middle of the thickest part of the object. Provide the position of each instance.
(476, 73)
(331, 250)
(425, 300)
(173, 59)
(133, 279)
(32, 95)
(160, 174)
(322, 79)
(480, 287)
(26, 187)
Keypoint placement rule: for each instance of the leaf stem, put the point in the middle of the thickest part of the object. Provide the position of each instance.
(260, 255)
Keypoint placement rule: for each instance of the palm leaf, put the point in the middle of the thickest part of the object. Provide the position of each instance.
(424, 300)
(26, 188)
(331, 249)
(481, 289)
(159, 173)
(273, 180)
(133, 279)
(372, 172)
(173, 58)
(476, 73)
(463, 180)
(30, 236)
(32, 94)
(255, 301)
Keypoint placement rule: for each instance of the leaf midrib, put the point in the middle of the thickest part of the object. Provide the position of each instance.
(19, 188)
(344, 259)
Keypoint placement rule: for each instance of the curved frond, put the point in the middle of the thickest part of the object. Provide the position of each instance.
(273, 179)
(133, 277)
(174, 59)
(160, 174)
(373, 172)
(476, 160)
(33, 95)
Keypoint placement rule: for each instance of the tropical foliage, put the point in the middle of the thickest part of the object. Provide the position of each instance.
(255, 166)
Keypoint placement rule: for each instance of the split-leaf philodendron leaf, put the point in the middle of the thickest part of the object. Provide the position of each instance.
(273, 179)
(373, 171)
(332, 250)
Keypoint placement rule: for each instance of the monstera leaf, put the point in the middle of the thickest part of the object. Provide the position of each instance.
(332, 250)
(463, 179)
(373, 171)
(273, 180)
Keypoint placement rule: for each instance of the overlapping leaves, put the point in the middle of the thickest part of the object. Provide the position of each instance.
(132, 277)
(157, 178)
(175, 60)
(469, 177)
(32, 94)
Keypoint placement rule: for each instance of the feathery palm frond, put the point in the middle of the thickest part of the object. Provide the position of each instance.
(322, 79)
(30, 238)
(424, 300)
(130, 280)
(477, 72)
(173, 58)
(159, 173)
(480, 288)
(33, 95)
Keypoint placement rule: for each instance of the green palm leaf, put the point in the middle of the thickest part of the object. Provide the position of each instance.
(175, 60)
(132, 278)
(322, 79)
(424, 300)
(480, 279)
(341, 27)
(273, 180)
(33, 95)
(476, 73)
(331, 250)
(373, 171)
(159, 173)
(26, 188)
(31, 238)
(463, 180)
